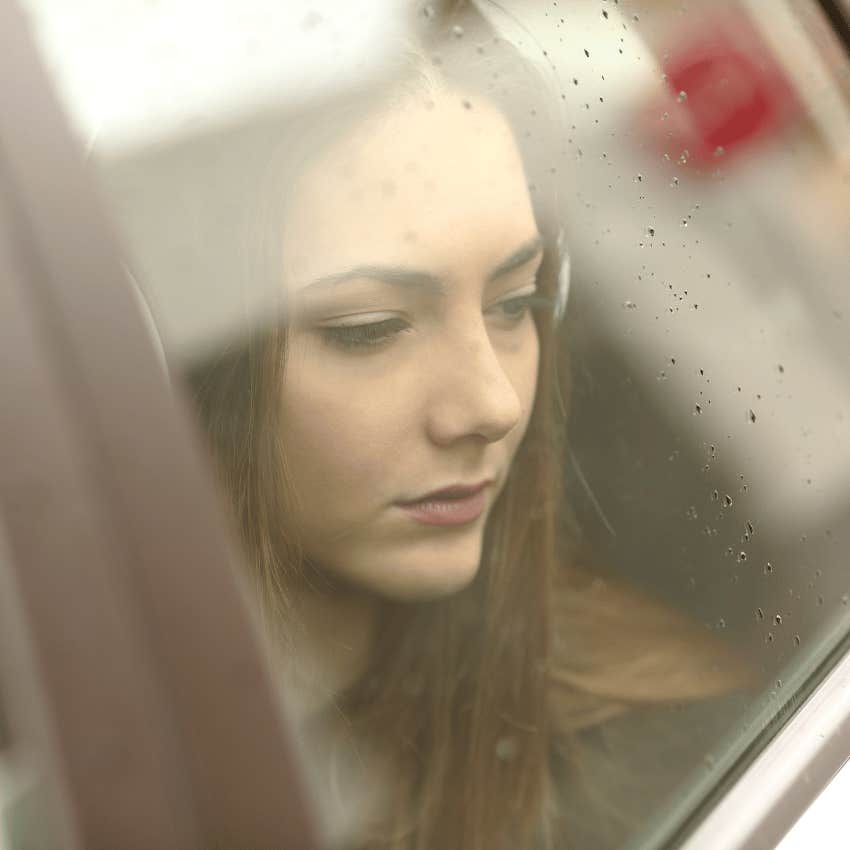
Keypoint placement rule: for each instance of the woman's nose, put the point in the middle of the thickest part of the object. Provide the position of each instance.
(473, 395)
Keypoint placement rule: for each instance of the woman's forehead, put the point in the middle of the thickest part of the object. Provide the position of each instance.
(434, 181)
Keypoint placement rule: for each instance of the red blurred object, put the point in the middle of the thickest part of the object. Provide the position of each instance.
(728, 91)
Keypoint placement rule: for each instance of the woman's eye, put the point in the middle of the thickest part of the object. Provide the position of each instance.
(512, 311)
(367, 335)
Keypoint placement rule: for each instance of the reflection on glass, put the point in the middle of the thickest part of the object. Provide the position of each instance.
(521, 365)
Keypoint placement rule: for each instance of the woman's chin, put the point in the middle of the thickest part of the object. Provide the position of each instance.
(420, 579)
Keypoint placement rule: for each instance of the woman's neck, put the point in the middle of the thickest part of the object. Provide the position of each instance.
(329, 648)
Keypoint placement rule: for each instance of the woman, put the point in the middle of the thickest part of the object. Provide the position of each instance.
(393, 455)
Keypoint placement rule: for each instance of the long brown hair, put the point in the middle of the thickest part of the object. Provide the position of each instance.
(465, 698)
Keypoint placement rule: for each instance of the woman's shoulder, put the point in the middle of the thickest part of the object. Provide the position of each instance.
(639, 694)
(620, 778)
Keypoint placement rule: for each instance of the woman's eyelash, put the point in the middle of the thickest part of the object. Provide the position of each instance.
(365, 335)
(516, 308)
(374, 334)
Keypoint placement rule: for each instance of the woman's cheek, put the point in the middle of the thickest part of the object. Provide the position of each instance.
(342, 438)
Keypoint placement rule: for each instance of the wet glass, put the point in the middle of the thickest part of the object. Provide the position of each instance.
(433, 265)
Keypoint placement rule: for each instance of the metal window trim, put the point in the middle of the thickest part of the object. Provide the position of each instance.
(787, 776)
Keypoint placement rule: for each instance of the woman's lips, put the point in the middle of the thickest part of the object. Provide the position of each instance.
(452, 506)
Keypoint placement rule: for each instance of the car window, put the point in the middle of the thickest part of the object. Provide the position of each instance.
(515, 334)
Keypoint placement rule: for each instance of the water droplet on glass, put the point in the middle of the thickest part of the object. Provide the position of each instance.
(796, 640)
(719, 151)
(768, 567)
(629, 305)
(820, 600)
(844, 599)
(691, 513)
(506, 748)
(714, 495)
(697, 409)
(727, 501)
(769, 637)
(742, 556)
(683, 96)
(650, 231)
(751, 415)
(721, 623)
(457, 31)
(778, 619)
(639, 178)
(759, 614)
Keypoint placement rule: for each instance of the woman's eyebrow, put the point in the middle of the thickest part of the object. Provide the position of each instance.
(520, 257)
(412, 278)
(393, 275)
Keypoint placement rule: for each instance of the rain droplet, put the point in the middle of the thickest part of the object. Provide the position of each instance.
(691, 513)
(506, 748)
(778, 619)
(629, 305)
(683, 96)
(719, 151)
(697, 409)
(727, 501)
(796, 640)
(650, 231)
(715, 495)
(751, 415)
(457, 31)
(768, 567)
(742, 556)
(759, 614)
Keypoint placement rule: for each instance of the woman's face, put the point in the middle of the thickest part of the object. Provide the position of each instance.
(411, 252)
